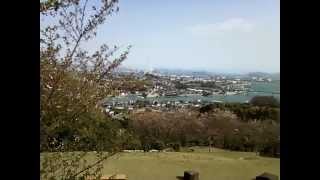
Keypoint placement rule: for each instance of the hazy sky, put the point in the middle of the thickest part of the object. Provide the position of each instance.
(218, 35)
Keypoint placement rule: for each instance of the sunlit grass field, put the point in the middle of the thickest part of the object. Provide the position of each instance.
(216, 165)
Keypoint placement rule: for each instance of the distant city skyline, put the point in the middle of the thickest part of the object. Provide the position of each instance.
(185, 70)
(224, 36)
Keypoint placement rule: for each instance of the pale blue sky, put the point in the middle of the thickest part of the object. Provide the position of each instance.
(218, 35)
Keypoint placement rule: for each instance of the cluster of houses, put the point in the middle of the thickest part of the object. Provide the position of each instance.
(113, 108)
(261, 79)
(164, 93)
(219, 85)
(164, 85)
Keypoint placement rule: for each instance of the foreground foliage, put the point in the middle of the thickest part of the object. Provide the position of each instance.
(72, 82)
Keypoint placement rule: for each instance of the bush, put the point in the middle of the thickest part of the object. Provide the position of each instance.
(134, 144)
(269, 101)
(175, 146)
(158, 145)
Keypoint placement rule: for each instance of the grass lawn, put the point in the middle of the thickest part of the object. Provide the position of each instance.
(217, 165)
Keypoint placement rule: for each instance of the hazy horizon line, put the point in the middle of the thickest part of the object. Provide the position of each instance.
(228, 71)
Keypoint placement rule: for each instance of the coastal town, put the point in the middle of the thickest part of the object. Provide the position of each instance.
(165, 92)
